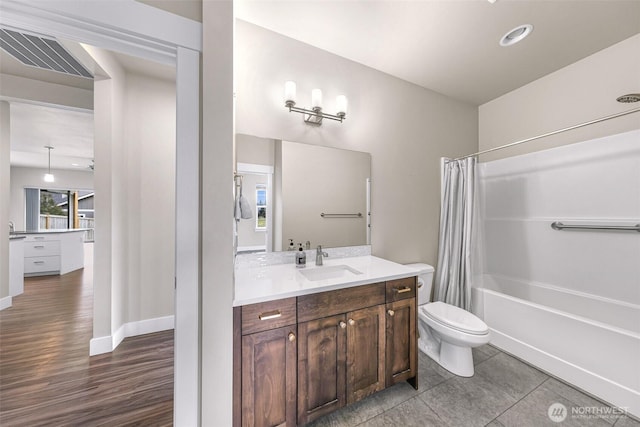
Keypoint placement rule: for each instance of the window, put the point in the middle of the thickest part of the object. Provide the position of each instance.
(59, 210)
(261, 207)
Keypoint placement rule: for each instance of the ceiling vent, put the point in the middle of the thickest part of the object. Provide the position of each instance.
(41, 52)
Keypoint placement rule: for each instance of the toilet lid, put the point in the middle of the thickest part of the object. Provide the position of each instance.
(455, 318)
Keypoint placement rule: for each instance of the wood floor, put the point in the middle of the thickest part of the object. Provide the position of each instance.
(47, 377)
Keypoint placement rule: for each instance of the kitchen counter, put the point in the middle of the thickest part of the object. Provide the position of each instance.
(51, 231)
(271, 282)
(49, 252)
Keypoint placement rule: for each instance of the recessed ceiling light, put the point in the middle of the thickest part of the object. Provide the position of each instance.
(516, 35)
(74, 164)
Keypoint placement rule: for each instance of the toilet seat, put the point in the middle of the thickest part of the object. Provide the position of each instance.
(455, 318)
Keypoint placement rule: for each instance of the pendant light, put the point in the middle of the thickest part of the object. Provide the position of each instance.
(48, 177)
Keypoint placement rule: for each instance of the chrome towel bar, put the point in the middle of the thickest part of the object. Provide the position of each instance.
(557, 225)
(339, 215)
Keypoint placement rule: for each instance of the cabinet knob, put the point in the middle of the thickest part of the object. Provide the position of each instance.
(391, 312)
(352, 322)
(292, 336)
(342, 325)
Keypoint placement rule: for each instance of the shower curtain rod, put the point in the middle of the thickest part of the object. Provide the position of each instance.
(522, 141)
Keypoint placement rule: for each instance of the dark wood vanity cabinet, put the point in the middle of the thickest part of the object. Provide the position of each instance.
(322, 355)
(402, 335)
(268, 364)
(345, 344)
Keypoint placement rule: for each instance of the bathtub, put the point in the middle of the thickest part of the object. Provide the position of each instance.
(586, 340)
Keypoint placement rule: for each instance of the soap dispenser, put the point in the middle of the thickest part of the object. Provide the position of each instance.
(291, 246)
(301, 257)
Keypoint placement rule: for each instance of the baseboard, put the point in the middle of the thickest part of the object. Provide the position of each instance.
(108, 343)
(589, 382)
(6, 302)
(100, 345)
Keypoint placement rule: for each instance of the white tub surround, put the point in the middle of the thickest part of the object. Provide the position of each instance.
(567, 301)
(255, 284)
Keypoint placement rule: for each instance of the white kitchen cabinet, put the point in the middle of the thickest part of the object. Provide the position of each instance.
(16, 266)
(53, 252)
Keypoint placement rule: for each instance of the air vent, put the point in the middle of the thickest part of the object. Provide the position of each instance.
(40, 52)
(629, 98)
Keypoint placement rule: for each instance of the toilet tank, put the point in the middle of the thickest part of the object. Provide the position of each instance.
(425, 281)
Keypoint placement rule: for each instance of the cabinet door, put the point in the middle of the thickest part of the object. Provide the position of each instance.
(321, 367)
(401, 341)
(365, 352)
(269, 378)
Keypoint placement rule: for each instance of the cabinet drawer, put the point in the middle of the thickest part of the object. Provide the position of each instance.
(40, 249)
(41, 264)
(41, 237)
(401, 289)
(325, 304)
(268, 315)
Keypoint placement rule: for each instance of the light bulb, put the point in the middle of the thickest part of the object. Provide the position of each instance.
(289, 93)
(316, 98)
(342, 104)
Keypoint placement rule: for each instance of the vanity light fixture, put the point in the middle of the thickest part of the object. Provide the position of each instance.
(315, 115)
(48, 177)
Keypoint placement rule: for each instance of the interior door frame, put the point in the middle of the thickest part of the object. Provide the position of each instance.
(140, 30)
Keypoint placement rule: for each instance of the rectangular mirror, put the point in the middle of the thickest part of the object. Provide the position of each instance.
(301, 193)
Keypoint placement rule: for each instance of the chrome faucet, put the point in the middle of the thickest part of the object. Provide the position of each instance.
(12, 227)
(319, 255)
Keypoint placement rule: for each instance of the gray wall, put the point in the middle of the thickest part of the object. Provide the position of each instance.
(581, 92)
(318, 179)
(405, 128)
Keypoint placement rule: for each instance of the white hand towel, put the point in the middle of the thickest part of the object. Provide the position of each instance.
(245, 208)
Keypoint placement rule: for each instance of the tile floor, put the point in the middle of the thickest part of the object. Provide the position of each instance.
(504, 392)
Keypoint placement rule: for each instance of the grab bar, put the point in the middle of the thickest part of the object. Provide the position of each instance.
(340, 215)
(557, 225)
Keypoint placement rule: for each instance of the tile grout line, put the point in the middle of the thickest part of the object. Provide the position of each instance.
(519, 400)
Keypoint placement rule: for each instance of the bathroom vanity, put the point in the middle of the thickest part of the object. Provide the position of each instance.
(310, 341)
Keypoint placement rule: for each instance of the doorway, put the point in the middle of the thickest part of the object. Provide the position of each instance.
(169, 40)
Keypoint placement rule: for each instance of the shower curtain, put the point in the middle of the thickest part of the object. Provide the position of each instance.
(457, 215)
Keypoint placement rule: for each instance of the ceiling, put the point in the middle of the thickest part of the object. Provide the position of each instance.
(452, 46)
(449, 46)
(70, 131)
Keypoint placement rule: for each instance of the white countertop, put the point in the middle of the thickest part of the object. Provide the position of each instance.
(271, 282)
(49, 231)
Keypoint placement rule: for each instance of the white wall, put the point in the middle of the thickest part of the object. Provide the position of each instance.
(257, 151)
(150, 139)
(45, 93)
(405, 128)
(135, 199)
(581, 92)
(109, 248)
(5, 147)
(22, 177)
(217, 213)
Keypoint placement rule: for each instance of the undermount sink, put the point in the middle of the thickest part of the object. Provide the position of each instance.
(330, 272)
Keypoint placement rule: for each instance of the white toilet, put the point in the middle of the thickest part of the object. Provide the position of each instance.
(447, 333)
